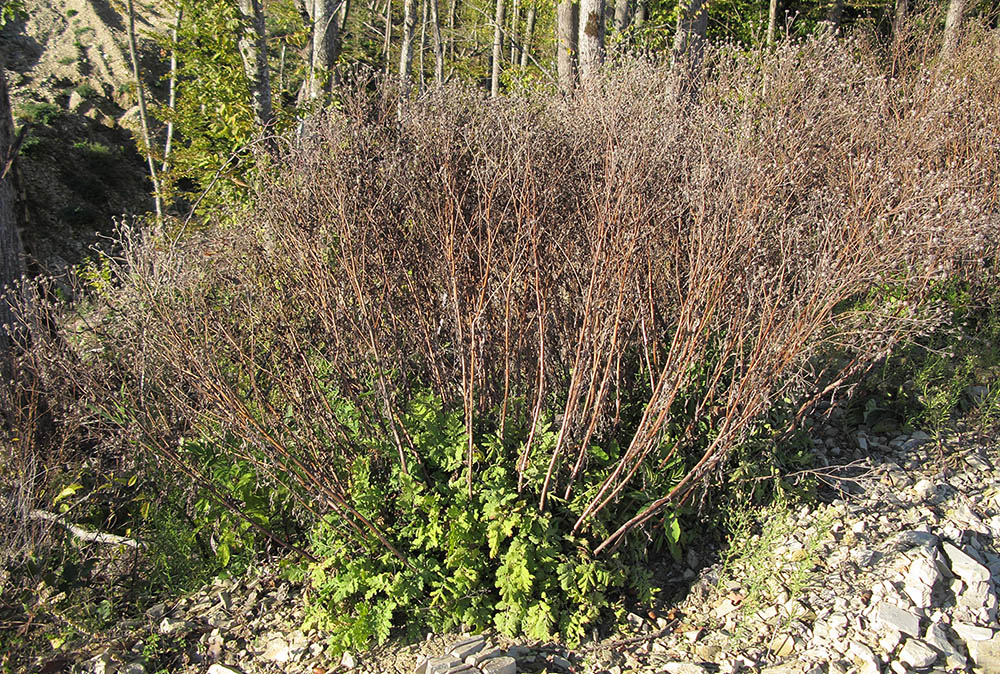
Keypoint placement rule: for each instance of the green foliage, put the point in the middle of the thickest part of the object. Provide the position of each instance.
(39, 112)
(11, 10)
(86, 90)
(486, 560)
(943, 376)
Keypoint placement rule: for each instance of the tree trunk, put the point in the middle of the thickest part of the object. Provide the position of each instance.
(689, 41)
(566, 20)
(591, 39)
(325, 19)
(529, 31)
(253, 50)
(406, 45)
(345, 11)
(641, 9)
(515, 18)
(172, 90)
(438, 45)
(834, 15)
(497, 48)
(952, 28)
(422, 47)
(452, 23)
(772, 21)
(387, 37)
(902, 8)
(140, 92)
(622, 16)
(11, 252)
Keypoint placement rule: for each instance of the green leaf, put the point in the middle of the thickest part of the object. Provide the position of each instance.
(66, 492)
(223, 553)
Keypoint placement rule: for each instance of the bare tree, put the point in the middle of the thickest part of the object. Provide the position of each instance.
(566, 36)
(515, 20)
(902, 8)
(952, 27)
(591, 39)
(140, 91)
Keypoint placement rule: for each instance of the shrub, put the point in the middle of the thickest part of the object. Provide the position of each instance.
(455, 330)
(39, 112)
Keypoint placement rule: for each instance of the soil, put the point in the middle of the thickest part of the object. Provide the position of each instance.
(70, 81)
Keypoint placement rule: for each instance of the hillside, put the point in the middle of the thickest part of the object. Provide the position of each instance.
(70, 80)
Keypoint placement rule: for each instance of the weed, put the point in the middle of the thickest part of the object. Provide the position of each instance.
(87, 91)
(39, 112)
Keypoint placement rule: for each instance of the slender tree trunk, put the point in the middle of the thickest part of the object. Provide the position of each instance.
(952, 28)
(902, 9)
(423, 42)
(689, 41)
(452, 24)
(772, 21)
(529, 30)
(497, 48)
(11, 251)
(406, 44)
(387, 37)
(253, 50)
(622, 16)
(566, 36)
(324, 16)
(140, 92)
(834, 15)
(172, 89)
(641, 10)
(438, 45)
(515, 19)
(591, 39)
(345, 11)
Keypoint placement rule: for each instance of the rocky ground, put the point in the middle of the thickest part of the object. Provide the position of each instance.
(895, 571)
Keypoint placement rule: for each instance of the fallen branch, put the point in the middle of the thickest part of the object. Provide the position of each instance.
(81, 533)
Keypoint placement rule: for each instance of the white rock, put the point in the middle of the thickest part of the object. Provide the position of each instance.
(925, 490)
(893, 617)
(347, 660)
(173, 625)
(964, 566)
(921, 577)
(467, 647)
(917, 654)
(863, 658)
(684, 668)
(986, 653)
(501, 665)
(222, 669)
(890, 640)
(436, 665)
(970, 633)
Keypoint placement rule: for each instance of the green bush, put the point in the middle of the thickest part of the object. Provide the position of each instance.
(39, 112)
(485, 560)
